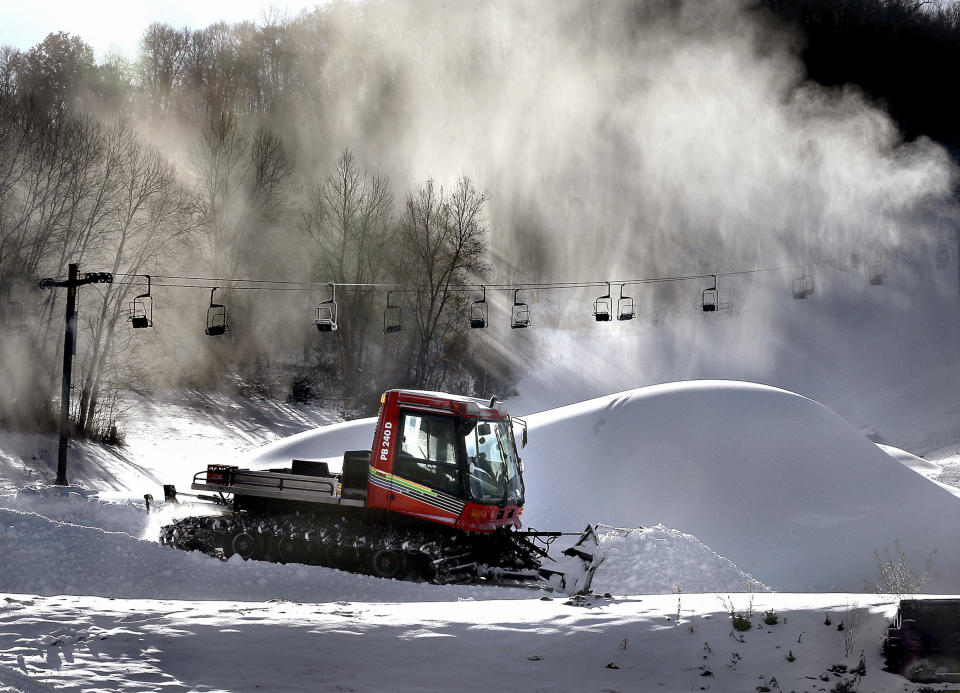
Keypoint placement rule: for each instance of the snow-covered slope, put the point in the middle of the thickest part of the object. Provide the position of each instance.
(327, 443)
(170, 435)
(925, 468)
(737, 465)
(558, 646)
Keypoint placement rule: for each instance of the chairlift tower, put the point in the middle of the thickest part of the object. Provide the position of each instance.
(942, 256)
(69, 347)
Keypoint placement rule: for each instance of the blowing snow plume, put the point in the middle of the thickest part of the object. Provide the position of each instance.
(617, 140)
(625, 139)
(649, 139)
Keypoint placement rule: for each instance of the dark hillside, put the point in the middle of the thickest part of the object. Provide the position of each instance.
(903, 53)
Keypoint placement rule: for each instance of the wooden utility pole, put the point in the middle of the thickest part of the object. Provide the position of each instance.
(69, 347)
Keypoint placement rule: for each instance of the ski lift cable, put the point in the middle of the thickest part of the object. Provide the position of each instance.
(243, 284)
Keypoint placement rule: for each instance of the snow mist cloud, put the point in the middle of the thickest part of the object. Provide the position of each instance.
(643, 139)
(623, 138)
(633, 139)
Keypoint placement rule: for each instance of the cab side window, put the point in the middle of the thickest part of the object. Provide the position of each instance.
(428, 453)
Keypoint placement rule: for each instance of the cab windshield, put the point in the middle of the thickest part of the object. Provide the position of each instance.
(492, 463)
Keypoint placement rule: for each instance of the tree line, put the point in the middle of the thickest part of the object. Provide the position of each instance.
(79, 183)
(193, 158)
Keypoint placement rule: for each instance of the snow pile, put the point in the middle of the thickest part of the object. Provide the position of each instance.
(659, 560)
(324, 444)
(779, 484)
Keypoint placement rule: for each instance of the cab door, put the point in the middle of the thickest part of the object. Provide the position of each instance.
(426, 479)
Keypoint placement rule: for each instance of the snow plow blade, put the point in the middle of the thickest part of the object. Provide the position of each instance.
(574, 572)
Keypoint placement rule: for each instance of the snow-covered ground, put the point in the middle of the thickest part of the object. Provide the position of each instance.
(742, 489)
(470, 643)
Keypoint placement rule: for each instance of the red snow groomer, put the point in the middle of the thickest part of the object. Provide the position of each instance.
(439, 497)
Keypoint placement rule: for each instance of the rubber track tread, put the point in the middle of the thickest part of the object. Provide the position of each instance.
(438, 555)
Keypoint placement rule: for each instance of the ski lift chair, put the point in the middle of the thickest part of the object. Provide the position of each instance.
(799, 288)
(625, 307)
(216, 317)
(520, 313)
(710, 300)
(878, 272)
(942, 256)
(11, 314)
(392, 322)
(13, 318)
(803, 285)
(141, 309)
(603, 306)
(327, 313)
(478, 312)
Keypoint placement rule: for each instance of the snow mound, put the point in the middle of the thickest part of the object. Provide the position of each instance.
(779, 484)
(327, 444)
(659, 560)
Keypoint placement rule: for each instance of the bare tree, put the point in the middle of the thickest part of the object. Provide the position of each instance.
(150, 213)
(243, 183)
(52, 200)
(163, 52)
(349, 221)
(442, 237)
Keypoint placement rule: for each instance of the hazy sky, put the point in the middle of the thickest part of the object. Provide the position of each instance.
(118, 24)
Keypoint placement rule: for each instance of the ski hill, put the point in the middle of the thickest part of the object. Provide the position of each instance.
(752, 499)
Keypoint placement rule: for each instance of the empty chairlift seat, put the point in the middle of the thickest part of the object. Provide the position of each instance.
(625, 307)
(603, 307)
(216, 318)
(392, 317)
(327, 312)
(710, 299)
(478, 312)
(520, 313)
(141, 309)
(803, 285)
